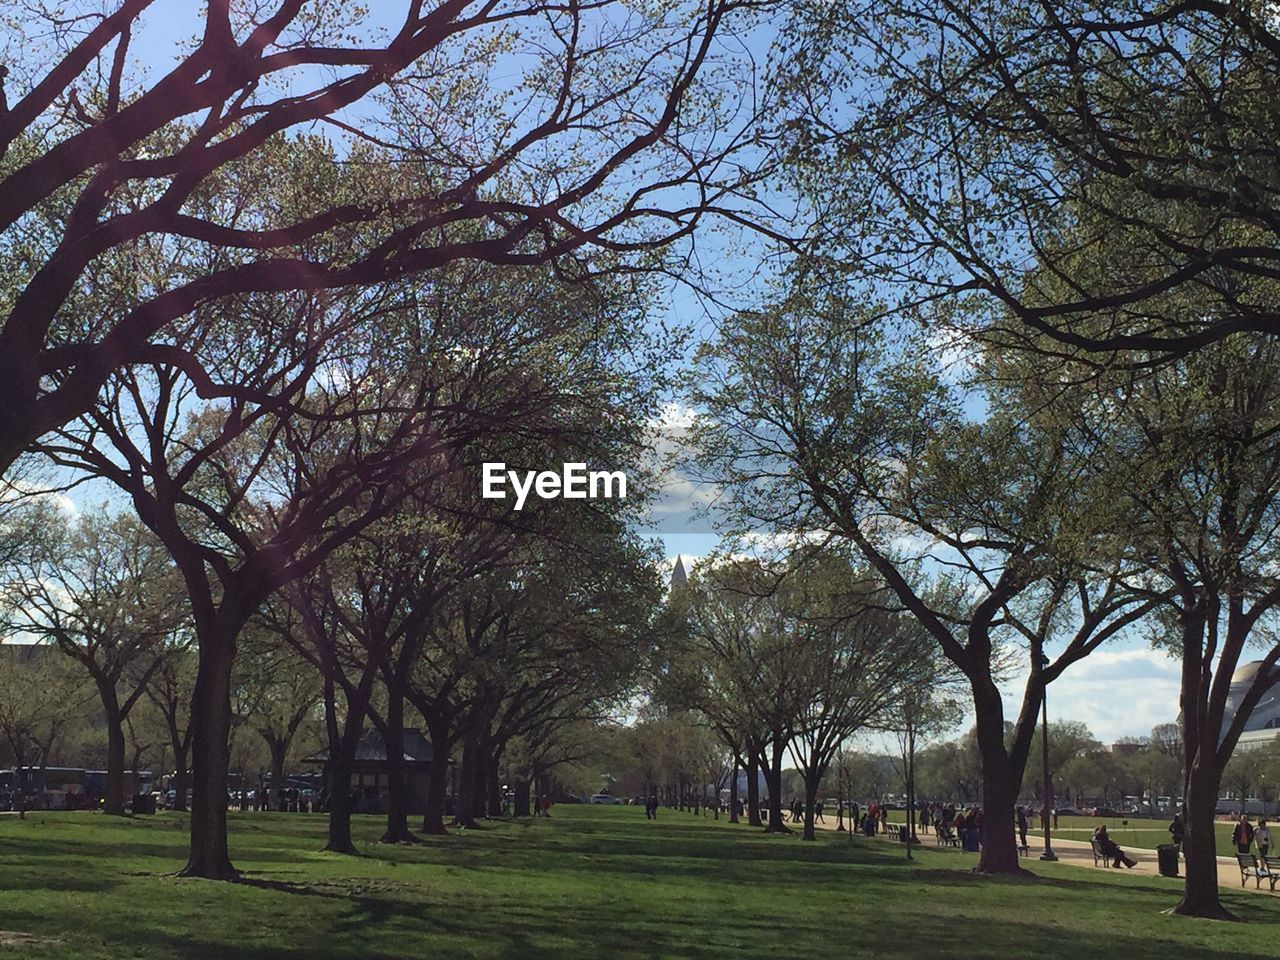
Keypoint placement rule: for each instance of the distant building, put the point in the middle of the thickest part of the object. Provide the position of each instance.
(678, 575)
(1263, 724)
(369, 775)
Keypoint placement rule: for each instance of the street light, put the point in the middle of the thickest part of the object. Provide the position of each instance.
(1048, 784)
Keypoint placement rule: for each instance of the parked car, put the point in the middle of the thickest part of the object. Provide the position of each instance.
(1068, 812)
(607, 798)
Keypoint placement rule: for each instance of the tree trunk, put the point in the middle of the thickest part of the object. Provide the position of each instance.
(911, 791)
(466, 799)
(437, 773)
(774, 776)
(753, 790)
(1203, 777)
(733, 793)
(340, 803)
(437, 791)
(999, 794)
(279, 748)
(211, 758)
(1200, 896)
(397, 830)
(810, 798)
(113, 799)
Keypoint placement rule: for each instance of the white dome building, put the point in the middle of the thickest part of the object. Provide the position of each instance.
(1263, 724)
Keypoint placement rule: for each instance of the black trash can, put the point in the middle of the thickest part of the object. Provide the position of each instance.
(144, 803)
(902, 834)
(1167, 859)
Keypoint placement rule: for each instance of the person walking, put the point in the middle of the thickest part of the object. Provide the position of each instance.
(1262, 837)
(1242, 835)
(884, 818)
(1022, 827)
(817, 812)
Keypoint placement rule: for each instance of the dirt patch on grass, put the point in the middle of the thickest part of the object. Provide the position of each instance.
(14, 939)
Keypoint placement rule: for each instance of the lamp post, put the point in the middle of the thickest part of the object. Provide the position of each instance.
(1048, 784)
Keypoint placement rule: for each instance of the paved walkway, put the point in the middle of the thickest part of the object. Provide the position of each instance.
(1079, 853)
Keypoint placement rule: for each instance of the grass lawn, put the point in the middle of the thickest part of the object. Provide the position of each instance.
(591, 882)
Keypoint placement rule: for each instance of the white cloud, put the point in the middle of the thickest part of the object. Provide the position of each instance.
(953, 349)
(14, 491)
(680, 502)
(1116, 692)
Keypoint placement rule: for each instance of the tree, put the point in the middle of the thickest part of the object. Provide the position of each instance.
(102, 166)
(1071, 744)
(752, 661)
(1242, 775)
(1050, 131)
(169, 691)
(277, 691)
(819, 425)
(1191, 450)
(1164, 756)
(926, 704)
(861, 661)
(553, 636)
(103, 590)
(951, 770)
(42, 700)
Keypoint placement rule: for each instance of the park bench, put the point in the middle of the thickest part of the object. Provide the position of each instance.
(1098, 855)
(1249, 868)
(1271, 868)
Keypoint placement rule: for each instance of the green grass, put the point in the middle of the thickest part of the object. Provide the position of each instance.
(591, 882)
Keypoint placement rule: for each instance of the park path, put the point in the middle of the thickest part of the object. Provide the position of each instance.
(1079, 853)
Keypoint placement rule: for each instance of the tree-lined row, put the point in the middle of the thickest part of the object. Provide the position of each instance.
(497, 644)
(284, 293)
(337, 515)
(1031, 353)
(781, 663)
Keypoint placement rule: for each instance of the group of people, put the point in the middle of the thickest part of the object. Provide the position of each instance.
(1245, 835)
(797, 811)
(285, 800)
(874, 819)
(948, 823)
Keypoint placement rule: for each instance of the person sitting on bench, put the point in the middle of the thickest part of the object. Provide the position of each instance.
(1110, 849)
